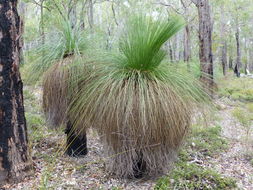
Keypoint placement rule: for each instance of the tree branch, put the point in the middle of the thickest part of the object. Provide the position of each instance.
(40, 5)
(59, 10)
(168, 5)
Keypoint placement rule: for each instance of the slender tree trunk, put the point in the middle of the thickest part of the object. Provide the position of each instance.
(246, 68)
(91, 14)
(22, 11)
(205, 41)
(82, 17)
(42, 27)
(187, 45)
(100, 14)
(251, 56)
(187, 36)
(238, 53)
(114, 14)
(176, 48)
(170, 51)
(224, 43)
(72, 13)
(224, 58)
(14, 157)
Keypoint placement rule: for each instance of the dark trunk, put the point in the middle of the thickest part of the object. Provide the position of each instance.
(139, 167)
(14, 155)
(171, 52)
(238, 53)
(76, 143)
(237, 71)
(224, 58)
(205, 41)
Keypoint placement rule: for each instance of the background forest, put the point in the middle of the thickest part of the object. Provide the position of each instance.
(106, 18)
(218, 151)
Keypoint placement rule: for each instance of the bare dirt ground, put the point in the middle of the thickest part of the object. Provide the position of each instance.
(235, 162)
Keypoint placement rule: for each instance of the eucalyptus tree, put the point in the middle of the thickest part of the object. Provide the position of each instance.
(223, 20)
(15, 163)
(140, 104)
(205, 42)
(239, 19)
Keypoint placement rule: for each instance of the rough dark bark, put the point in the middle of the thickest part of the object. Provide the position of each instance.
(14, 155)
(76, 143)
(205, 42)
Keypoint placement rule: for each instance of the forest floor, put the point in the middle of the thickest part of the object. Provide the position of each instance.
(217, 155)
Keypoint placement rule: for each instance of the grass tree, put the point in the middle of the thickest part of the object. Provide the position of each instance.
(63, 47)
(140, 104)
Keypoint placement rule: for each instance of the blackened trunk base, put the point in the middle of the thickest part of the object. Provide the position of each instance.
(139, 167)
(76, 143)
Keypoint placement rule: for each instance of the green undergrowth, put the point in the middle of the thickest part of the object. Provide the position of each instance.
(35, 121)
(41, 143)
(37, 129)
(192, 176)
(237, 88)
(189, 171)
(206, 141)
(244, 116)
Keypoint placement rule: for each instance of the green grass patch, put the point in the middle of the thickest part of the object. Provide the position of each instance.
(192, 176)
(251, 162)
(206, 140)
(36, 124)
(117, 188)
(34, 121)
(250, 109)
(237, 88)
(243, 116)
